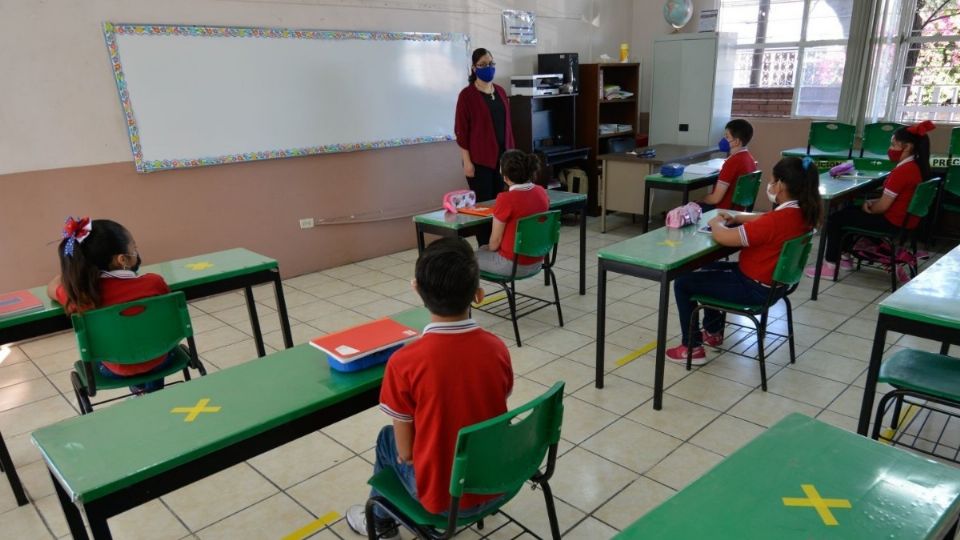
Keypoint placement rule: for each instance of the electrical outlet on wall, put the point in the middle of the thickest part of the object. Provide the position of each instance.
(307, 223)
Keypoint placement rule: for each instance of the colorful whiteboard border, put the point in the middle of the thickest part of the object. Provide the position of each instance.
(111, 30)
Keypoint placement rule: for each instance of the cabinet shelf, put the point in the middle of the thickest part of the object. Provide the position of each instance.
(609, 101)
(617, 134)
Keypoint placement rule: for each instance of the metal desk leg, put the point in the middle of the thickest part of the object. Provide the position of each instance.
(98, 526)
(873, 372)
(254, 321)
(421, 244)
(282, 311)
(583, 249)
(821, 248)
(646, 206)
(70, 511)
(603, 197)
(685, 198)
(601, 321)
(661, 343)
(6, 466)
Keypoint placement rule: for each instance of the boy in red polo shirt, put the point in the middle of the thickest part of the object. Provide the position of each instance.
(455, 375)
(737, 135)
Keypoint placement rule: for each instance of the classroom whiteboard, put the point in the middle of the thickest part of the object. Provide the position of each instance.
(207, 95)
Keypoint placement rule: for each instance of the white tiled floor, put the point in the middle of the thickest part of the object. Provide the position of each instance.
(619, 458)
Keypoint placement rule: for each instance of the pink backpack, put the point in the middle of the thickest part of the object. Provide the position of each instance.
(682, 216)
(461, 198)
(842, 169)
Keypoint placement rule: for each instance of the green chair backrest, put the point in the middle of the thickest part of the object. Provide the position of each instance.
(500, 454)
(793, 259)
(923, 198)
(748, 185)
(537, 234)
(831, 136)
(952, 185)
(876, 136)
(133, 332)
(872, 164)
(954, 149)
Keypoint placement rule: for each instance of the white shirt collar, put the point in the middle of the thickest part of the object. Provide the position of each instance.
(787, 204)
(119, 274)
(455, 327)
(523, 187)
(741, 149)
(907, 159)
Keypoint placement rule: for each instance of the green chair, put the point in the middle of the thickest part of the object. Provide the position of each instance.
(786, 278)
(745, 194)
(830, 138)
(537, 236)
(876, 138)
(131, 333)
(495, 456)
(920, 206)
(954, 149)
(929, 377)
(6, 466)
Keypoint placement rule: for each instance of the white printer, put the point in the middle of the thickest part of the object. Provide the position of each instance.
(544, 84)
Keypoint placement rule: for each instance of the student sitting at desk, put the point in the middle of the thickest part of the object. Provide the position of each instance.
(455, 375)
(910, 150)
(795, 193)
(736, 136)
(522, 199)
(98, 268)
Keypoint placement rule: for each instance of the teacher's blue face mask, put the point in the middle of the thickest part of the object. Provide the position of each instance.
(724, 145)
(485, 73)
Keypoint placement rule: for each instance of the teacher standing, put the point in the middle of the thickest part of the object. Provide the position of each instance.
(483, 131)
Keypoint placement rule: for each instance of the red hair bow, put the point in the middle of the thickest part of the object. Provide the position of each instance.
(922, 128)
(75, 231)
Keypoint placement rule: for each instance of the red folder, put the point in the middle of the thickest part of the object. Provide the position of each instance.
(482, 211)
(18, 302)
(364, 339)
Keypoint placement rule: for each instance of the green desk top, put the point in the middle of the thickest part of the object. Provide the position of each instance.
(932, 297)
(112, 448)
(686, 178)
(179, 274)
(447, 220)
(664, 248)
(890, 493)
(831, 188)
(817, 154)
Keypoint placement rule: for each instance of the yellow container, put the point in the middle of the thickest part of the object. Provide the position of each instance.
(624, 52)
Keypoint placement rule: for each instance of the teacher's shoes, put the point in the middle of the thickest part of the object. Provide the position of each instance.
(678, 354)
(357, 520)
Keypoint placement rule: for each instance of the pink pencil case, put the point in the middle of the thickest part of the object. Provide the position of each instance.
(682, 216)
(841, 169)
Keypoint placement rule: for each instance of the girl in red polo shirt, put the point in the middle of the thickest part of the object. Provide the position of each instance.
(483, 130)
(522, 199)
(910, 150)
(98, 267)
(794, 191)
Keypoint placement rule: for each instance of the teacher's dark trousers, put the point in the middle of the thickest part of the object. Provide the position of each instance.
(486, 183)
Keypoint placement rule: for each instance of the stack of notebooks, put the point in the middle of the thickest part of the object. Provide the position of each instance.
(365, 345)
(18, 302)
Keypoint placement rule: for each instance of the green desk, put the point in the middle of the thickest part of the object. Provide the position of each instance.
(684, 183)
(928, 306)
(199, 276)
(824, 160)
(443, 223)
(766, 490)
(97, 463)
(834, 192)
(660, 256)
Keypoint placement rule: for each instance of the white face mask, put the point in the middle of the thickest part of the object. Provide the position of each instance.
(771, 195)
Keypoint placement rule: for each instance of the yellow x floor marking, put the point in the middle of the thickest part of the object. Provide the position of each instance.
(489, 300)
(193, 412)
(637, 353)
(821, 505)
(197, 266)
(312, 527)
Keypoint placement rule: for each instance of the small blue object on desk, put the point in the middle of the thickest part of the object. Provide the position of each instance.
(671, 170)
(368, 361)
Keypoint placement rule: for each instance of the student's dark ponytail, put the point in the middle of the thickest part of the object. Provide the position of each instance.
(477, 55)
(917, 136)
(519, 166)
(80, 266)
(802, 180)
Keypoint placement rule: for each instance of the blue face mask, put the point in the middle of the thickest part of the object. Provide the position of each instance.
(485, 74)
(724, 145)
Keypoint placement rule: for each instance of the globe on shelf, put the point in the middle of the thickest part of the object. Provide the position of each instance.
(678, 12)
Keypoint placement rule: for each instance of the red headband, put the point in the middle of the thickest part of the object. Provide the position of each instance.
(922, 128)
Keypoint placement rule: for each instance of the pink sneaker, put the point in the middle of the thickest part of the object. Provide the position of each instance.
(846, 262)
(903, 273)
(826, 270)
(712, 340)
(678, 354)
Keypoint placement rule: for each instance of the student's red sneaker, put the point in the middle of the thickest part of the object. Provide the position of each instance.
(678, 354)
(712, 340)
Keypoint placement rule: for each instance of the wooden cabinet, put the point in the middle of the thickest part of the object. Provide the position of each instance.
(595, 110)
